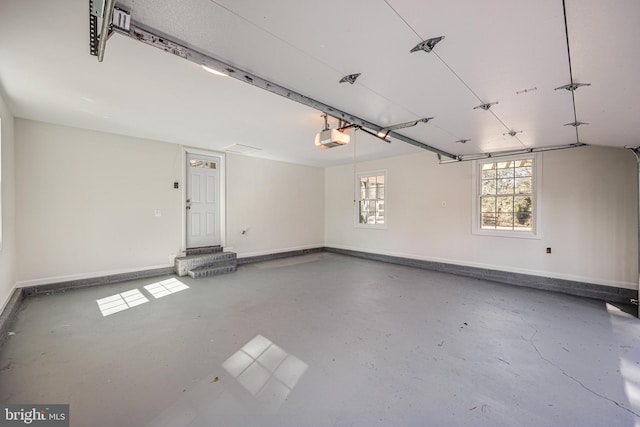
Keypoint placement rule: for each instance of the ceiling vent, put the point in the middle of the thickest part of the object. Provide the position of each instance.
(241, 149)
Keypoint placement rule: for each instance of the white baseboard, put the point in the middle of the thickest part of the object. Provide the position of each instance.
(550, 274)
(278, 251)
(7, 299)
(72, 277)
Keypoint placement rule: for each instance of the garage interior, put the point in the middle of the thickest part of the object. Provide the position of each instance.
(321, 213)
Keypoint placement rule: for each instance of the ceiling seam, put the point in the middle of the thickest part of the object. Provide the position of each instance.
(168, 44)
(509, 129)
(573, 95)
(403, 20)
(338, 72)
(476, 95)
(253, 24)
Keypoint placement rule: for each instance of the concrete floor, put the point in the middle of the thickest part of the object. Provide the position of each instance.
(324, 340)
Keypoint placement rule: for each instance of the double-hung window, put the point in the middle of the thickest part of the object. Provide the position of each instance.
(371, 199)
(507, 197)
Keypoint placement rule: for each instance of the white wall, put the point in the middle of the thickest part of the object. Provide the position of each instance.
(86, 201)
(7, 170)
(589, 216)
(281, 205)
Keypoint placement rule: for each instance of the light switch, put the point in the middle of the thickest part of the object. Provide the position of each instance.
(157, 212)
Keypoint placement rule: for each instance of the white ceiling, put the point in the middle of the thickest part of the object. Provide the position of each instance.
(492, 50)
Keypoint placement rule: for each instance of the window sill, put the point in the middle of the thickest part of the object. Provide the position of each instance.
(371, 226)
(509, 234)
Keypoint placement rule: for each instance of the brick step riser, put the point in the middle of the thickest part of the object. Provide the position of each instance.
(198, 274)
(184, 264)
(204, 251)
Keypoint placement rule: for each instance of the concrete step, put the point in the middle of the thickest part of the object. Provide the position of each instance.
(204, 250)
(190, 262)
(208, 271)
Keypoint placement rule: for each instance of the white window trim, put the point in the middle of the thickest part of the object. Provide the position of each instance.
(356, 207)
(536, 229)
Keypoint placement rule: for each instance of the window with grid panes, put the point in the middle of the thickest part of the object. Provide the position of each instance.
(507, 195)
(371, 198)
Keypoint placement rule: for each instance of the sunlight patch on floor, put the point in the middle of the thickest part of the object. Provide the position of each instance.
(266, 371)
(120, 302)
(166, 287)
(629, 360)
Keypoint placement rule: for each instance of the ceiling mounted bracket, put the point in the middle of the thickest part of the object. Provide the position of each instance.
(325, 116)
(169, 44)
(384, 132)
(572, 86)
(350, 78)
(346, 125)
(121, 21)
(93, 28)
(463, 141)
(635, 150)
(98, 41)
(427, 45)
(96, 8)
(480, 156)
(486, 106)
(576, 124)
(512, 132)
(377, 135)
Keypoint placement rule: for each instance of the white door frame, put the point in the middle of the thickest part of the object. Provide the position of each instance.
(223, 197)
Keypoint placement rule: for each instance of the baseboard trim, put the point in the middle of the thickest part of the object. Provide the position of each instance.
(67, 285)
(9, 314)
(570, 287)
(279, 255)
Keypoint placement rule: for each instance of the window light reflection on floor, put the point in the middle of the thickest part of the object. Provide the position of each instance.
(166, 287)
(629, 366)
(120, 302)
(266, 371)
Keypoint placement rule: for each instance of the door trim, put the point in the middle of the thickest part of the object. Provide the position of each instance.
(223, 196)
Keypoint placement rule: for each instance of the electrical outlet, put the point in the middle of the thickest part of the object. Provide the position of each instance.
(157, 213)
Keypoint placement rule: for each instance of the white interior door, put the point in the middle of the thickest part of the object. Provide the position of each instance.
(203, 201)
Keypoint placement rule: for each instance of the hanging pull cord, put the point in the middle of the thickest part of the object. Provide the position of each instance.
(355, 176)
